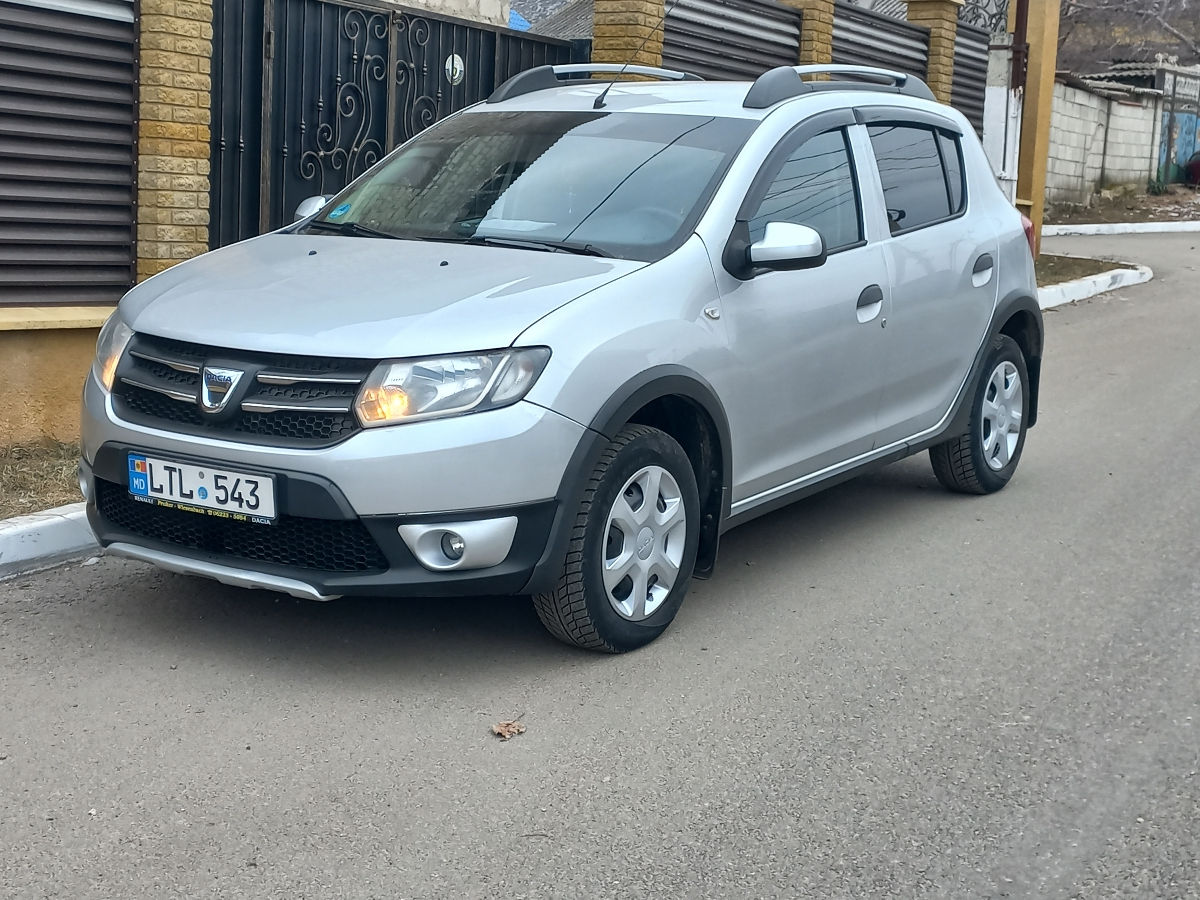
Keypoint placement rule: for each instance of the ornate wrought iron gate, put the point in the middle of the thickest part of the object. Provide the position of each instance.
(308, 94)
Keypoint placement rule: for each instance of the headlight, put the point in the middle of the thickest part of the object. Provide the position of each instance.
(114, 338)
(408, 390)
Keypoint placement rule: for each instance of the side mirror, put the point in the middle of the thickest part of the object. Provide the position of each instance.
(787, 247)
(310, 207)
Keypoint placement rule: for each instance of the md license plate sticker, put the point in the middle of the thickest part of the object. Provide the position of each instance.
(202, 489)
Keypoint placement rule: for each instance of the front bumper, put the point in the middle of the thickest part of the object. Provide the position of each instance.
(317, 547)
(340, 511)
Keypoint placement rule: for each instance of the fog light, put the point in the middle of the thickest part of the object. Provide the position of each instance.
(453, 545)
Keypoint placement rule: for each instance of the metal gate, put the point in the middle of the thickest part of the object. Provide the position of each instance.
(309, 94)
(969, 87)
(865, 38)
(66, 151)
(730, 39)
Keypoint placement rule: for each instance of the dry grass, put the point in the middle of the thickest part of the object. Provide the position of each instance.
(1180, 203)
(38, 476)
(1057, 269)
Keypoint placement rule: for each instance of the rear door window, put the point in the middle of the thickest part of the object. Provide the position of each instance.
(922, 181)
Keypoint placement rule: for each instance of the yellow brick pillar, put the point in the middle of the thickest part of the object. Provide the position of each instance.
(941, 18)
(816, 31)
(628, 31)
(1042, 36)
(174, 113)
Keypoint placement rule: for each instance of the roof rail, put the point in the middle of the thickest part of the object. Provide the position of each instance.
(785, 82)
(545, 77)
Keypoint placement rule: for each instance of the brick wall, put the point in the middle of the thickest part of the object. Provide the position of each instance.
(816, 31)
(1080, 163)
(941, 18)
(173, 133)
(622, 26)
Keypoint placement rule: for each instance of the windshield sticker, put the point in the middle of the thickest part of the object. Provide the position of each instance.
(340, 211)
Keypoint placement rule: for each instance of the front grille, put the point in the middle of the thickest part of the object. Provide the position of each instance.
(296, 401)
(327, 545)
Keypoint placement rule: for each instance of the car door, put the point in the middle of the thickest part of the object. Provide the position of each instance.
(941, 260)
(808, 344)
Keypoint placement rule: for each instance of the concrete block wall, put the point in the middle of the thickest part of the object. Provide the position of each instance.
(1098, 143)
(174, 112)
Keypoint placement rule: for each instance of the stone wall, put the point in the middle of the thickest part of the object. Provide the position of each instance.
(1099, 142)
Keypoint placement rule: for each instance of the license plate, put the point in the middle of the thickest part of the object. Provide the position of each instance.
(202, 489)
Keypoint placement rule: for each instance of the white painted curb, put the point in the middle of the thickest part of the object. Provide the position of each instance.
(29, 543)
(1082, 288)
(1120, 228)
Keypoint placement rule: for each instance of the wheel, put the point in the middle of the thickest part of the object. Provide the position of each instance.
(633, 546)
(983, 460)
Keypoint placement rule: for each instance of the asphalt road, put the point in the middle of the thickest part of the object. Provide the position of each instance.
(887, 690)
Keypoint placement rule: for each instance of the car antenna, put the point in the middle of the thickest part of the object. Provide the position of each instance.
(599, 104)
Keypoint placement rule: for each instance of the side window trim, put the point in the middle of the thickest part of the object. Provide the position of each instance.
(897, 115)
(809, 128)
(734, 254)
(794, 140)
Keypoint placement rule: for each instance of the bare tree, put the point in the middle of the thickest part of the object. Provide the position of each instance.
(1091, 30)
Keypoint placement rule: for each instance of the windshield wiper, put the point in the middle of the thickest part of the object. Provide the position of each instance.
(354, 229)
(534, 244)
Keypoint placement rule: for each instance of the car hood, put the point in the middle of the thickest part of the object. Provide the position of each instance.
(362, 297)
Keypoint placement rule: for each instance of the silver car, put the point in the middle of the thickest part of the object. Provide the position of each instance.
(564, 339)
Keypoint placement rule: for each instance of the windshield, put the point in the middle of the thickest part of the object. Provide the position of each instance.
(618, 184)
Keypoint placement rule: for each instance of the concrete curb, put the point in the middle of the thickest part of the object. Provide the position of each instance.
(38, 541)
(1120, 228)
(1082, 288)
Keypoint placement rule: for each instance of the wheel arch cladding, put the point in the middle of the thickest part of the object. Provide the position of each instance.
(682, 404)
(1021, 320)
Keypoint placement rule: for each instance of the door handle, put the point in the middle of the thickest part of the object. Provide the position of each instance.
(871, 295)
(982, 264)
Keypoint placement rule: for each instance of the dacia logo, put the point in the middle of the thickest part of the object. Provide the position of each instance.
(216, 387)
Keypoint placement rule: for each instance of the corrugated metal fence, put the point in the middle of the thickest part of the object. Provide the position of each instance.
(865, 38)
(969, 87)
(730, 39)
(67, 93)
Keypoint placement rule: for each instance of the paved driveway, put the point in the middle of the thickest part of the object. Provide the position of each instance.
(886, 691)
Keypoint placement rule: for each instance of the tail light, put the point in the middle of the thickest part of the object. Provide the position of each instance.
(1027, 224)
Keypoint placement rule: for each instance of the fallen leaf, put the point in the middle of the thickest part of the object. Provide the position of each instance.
(506, 730)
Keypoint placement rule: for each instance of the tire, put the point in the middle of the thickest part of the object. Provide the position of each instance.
(984, 459)
(595, 604)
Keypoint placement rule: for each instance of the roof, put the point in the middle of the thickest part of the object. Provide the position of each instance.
(569, 22)
(1104, 87)
(535, 11)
